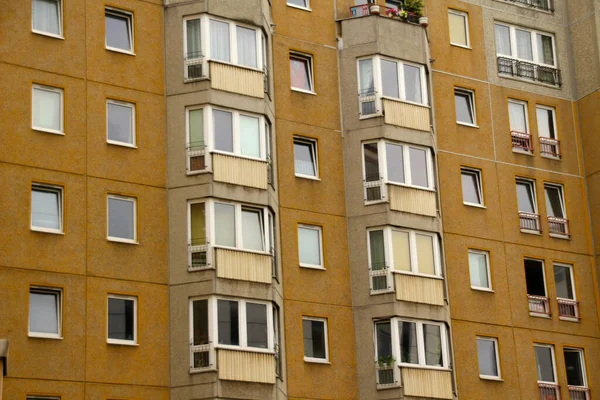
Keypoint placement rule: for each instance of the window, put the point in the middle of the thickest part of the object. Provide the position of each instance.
(459, 28)
(301, 72)
(519, 126)
(310, 246)
(422, 343)
(525, 44)
(386, 362)
(314, 331)
(45, 312)
(555, 207)
(299, 3)
(119, 30)
(527, 204)
(47, 17)
(471, 187)
(200, 335)
(535, 279)
(120, 123)
(545, 364)
(547, 132)
(122, 219)
(575, 367)
(479, 269)
(568, 308)
(393, 4)
(487, 354)
(412, 252)
(305, 158)
(47, 109)
(122, 319)
(464, 101)
(46, 208)
(277, 339)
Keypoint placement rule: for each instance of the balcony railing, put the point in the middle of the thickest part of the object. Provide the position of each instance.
(194, 66)
(539, 304)
(529, 221)
(558, 226)
(521, 141)
(527, 70)
(367, 98)
(201, 358)
(579, 393)
(375, 189)
(196, 153)
(568, 308)
(198, 254)
(386, 375)
(365, 9)
(270, 173)
(549, 391)
(381, 278)
(545, 5)
(549, 147)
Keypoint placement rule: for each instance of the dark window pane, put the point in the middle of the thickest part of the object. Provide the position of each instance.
(395, 162)
(117, 32)
(470, 187)
(228, 322)
(314, 338)
(574, 367)
(562, 277)
(433, 345)
(554, 202)
(486, 353)
(544, 365)
(384, 340)
(534, 276)
(120, 319)
(200, 322)
(371, 162)
(223, 130)
(408, 342)
(256, 325)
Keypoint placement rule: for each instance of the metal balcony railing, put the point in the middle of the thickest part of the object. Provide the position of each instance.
(270, 173)
(385, 375)
(365, 9)
(266, 80)
(381, 277)
(579, 393)
(529, 221)
(549, 147)
(527, 70)
(521, 141)
(375, 189)
(558, 226)
(568, 308)
(198, 251)
(201, 358)
(367, 99)
(549, 391)
(539, 304)
(545, 5)
(194, 66)
(196, 153)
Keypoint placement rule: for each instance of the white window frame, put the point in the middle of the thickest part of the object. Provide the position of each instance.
(319, 229)
(525, 105)
(412, 242)
(497, 357)
(313, 143)
(572, 274)
(553, 111)
(396, 351)
(561, 196)
(135, 212)
(326, 334)
(130, 26)
(61, 108)
(553, 354)
(471, 101)
(543, 266)
(487, 264)
(212, 320)
(133, 342)
(465, 17)
(60, 22)
(306, 8)
(582, 362)
(59, 190)
(531, 183)
(534, 49)
(479, 182)
(59, 311)
(311, 71)
(382, 157)
(133, 123)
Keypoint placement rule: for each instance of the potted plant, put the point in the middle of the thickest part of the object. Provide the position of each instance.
(374, 8)
(391, 12)
(403, 15)
(385, 361)
(414, 8)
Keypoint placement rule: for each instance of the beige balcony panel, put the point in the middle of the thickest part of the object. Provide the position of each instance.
(427, 383)
(406, 115)
(240, 171)
(418, 289)
(243, 266)
(237, 79)
(411, 200)
(246, 366)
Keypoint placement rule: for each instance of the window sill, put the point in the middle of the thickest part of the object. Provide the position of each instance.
(316, 361)
(411, 186)
(525, 153)
(245, 349)
(199, 172)
(490, 378)
(418, 366)
(318, 268)
(569, 319)
(299, 8)
(530, 232)
(312, 178)
(114, 49)
(55, 132)
(262, 253)
(417, 275)
(47, 34)
(45, 230)
(467, 124)
(556, 158)
(462, 46)
(538, 315)
(372, 203)
(479, 289)
(122, 343)
(559, 236)
(475, 205)
(303, 91)
(34, 335)
(370, 116)
(201, 370)
(377, 292)
(120, 240)
(121, 144)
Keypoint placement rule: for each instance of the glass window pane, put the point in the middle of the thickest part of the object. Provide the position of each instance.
(256, 325)
(120, 218)
(314, 338)
(118, 31)
(464, 108)
(384, 339)
(223, 121)
(534, 277)
(377, 249)
(372, 162)
(545, 121)
(545, 50)
(367, 81)
(228, 322)
(470, 187)
(250, 136)
(486, 353)
(47, 109)
(225, 225)
(524, 49)
(200, 308)
(401, 251)
(412, 83)
(45, 209)
(198, 224)
(544, 363)
(252, 230)
(389, 76)
(458, 29)
(433, 345)
(395, 162)
(418, 167)
(246, 47)
(525, 197)
(43, 312)
(408, 342)
(299, 3)
(120, 123)
(309, 246)
(517, 116)
(120, 319)
(554, 206)
(300, 73)
(564, 283)
(574, 366)
(219, 41)
(478, 270)
(304, 162)
(46, 16)
(196, 128)
(425, 257)
(194, 48)
(502, 34)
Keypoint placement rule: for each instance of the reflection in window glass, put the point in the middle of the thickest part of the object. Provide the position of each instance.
(525, 197)
(225, 224)
(463, 101)
(300, 73)
(471, 188)
(120, 123)
(554, 201)
(252, 231)
(574, 364)
(412, 82)
(121, 318)
(44, 309)
(314, 339)
(389, 76)
(228, 322)
(544, 361)
(118, 30)
(418, 167)
(478, 269)
(223, 121)
(395, 162)
(433, 345)
(384, 339)
(408, 342)
(121, 219)
(256, 325)
(486, 354)
(564, 282)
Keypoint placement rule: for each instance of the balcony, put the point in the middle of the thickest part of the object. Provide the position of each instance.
(407, 115)
(231, 263)
(386, 375)
(202, 357)
(401, 198)
(365, 10)
(529, 71)
(549, 147)
(196, 154)
(529, 222)
(568, 309)
(549, 391)
(419, 289)
(381, 278)
(558, 227)
(521, 142)
(194, 67)
(579, 393)
(246, 366)
(539, 305)
(421, 382)
(544, 5)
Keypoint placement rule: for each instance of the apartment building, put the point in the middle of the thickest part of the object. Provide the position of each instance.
(83, 260)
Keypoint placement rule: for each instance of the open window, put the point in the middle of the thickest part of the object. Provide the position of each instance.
(122, 319)
(119, 30)
(302, 73)
(527, 204)
(546, 371)
(558, 224)
(519, 126)
(547, 132)
(458, 22)
(488, 357)
(306, 158)
(479, 270)
(568, 307)
(472, 188)
(45, 312)
(47, 208)
(576, 374)
(47, 109)
(47, 17)
(535, 278)
(464, 100)
(385, 361)
(310, 246)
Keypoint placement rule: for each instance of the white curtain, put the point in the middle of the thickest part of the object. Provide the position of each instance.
(503, 40)
(389, 77)
(45, 209)
(458, 31)
(193, 39)
(46, 109)
(309, 246)
(249, 136)
(367, 83)
(219, 41)
(412, 83)
(545, 51)
(43, 313)
(478, 270)
(252, 230)
(46, 16)
(225, 224)
(516, 114)
(524, 49)
(246, 46)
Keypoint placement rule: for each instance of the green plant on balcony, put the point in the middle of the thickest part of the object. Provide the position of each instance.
(386, 361)
(414, 7)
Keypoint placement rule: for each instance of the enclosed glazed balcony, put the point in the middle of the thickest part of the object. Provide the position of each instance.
(431, 384)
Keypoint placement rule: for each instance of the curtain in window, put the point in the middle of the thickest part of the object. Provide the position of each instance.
(223, 122)
(395, 162)
(246, 46)
(478, 270)
(418, 167)
(120, 218)
(486, 355)
(545, 51)
(367, 80)
(309, 245)
(517, 117)
(401, 251)
(304, 162)
(256, 325)
(225, 225)
(502, 34)
(219, 41)
(408, 342)
(458, 32)
(46, 109)
(252, 230)
(433, 345)
(194, 49)
(45, 15)
(196, 128)
(524, 50)
(43, 313)
(300, 73)
(198, 222)
(545, 122)
(412, 83)
(389, 77)
(425, 254)
(249, 136)
(45, 209)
